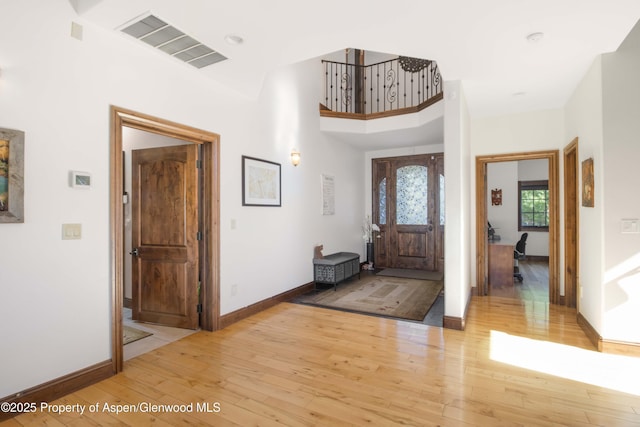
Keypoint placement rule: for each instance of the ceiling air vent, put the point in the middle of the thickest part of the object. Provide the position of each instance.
(157, 33)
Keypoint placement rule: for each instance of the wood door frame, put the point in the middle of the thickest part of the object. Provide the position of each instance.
(571, 225)
(481, 216)
(210, 248)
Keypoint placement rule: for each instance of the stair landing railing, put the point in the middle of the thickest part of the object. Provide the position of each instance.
(398, 86)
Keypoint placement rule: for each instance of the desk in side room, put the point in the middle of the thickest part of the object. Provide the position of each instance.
(500, 264)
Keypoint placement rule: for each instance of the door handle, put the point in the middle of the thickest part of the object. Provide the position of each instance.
(134, 252)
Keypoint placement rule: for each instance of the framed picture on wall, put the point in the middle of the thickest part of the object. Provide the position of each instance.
(587, 183)
(496, 197)
(328, 190)
(11, 176)
(261, 182)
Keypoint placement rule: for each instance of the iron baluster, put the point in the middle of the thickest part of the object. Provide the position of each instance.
(417, 81)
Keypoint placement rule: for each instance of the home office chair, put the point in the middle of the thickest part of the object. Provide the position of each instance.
(518, 254)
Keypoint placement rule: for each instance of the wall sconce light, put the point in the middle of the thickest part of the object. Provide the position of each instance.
(295, 157)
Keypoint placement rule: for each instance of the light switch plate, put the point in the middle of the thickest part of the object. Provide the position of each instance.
(76, 30)
(630, 226)
(71, 231)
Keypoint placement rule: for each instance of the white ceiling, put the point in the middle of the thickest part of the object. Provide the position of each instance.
(480, 42)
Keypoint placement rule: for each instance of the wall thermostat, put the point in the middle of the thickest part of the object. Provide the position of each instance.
(80, 179)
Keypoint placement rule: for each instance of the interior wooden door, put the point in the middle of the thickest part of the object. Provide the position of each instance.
(165, 226)
(406, 198)
(571, 214)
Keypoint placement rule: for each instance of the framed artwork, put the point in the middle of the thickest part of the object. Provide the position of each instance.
(496, 197)
(261, 182)
(587, 183)
(11, 176)
(328, 189)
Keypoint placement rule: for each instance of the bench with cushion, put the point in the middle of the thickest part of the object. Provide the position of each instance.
(333, 269)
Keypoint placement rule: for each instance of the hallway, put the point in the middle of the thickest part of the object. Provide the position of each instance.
(534, 286)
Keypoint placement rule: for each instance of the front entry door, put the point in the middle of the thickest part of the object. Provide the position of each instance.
(165, 225)
(407, 195)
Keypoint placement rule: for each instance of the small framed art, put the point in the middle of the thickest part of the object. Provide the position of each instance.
(260, 182)
(587, 183)
(11, 176)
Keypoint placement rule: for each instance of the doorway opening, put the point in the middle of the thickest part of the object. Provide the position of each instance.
(208, 235)
(517, 221)
(482, 230)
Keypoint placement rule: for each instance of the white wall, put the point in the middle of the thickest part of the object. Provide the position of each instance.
(603, 113)
(58, 90)
(271, 250)
(504, 218)
(583, 115)
(458, 223)
(621, 116)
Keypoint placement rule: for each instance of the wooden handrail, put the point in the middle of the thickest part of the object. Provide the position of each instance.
(325, 112)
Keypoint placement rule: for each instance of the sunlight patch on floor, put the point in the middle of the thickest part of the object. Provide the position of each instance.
(616, 372)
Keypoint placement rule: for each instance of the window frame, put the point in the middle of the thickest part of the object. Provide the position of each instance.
(532, 185)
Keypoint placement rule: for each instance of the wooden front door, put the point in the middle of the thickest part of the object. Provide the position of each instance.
(408, 192)
(165, 245)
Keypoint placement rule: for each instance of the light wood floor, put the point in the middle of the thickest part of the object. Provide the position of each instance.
(535, 283)
(518, 363)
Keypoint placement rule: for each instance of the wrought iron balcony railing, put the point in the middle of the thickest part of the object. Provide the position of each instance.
(398, 86)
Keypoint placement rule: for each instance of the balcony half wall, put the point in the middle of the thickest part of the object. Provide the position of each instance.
(425, 127)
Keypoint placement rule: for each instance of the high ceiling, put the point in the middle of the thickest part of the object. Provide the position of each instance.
(480, 42)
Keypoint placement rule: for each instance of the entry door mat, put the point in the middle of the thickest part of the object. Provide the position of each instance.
(395, 297)
(411, 274)
(133, 334)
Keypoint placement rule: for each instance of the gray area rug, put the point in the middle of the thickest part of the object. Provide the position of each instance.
(411, 274)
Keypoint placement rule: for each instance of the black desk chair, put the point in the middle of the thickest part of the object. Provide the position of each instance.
(518, 254)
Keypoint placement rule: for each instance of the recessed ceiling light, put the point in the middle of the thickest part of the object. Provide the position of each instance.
(535, 37)
(233, 39)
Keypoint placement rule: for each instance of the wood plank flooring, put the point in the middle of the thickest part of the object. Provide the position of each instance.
(535, 283)
(518, 363)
